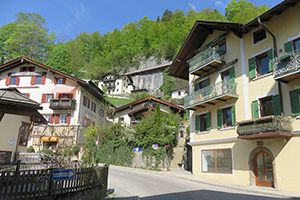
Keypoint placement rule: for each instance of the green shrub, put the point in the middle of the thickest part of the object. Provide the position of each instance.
(30, 150)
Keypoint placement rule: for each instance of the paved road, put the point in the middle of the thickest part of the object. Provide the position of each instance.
(130, 184)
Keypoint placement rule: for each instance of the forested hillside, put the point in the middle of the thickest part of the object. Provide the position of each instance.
(90, 55)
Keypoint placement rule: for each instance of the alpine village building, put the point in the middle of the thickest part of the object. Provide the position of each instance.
(68, 103)
(244, 98)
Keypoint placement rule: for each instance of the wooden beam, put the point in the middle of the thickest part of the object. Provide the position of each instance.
(207, 30)
(1, 116)
(276, 13)
(17, 110)
(221, 100)
(239, 35)
(210, 103)
(290, 4)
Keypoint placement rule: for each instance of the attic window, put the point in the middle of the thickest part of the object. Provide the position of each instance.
(27, 69)
(259, 35)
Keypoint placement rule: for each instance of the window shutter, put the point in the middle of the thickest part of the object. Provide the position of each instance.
(197, 123)
(219, 118)
(27, 95)
(255, 111)
(21, 69)
(60, 96)
(68, 118)
(271, 57)
(7, 81)
(208, 122)
(294, 97)
(32, 80)
(55, 80)
(83, 121)
(44, 98)
(207, 82)
(288, 47)
(64, 80)
(70, 96)
(233, 116)
(89, 103)
(43, 80)
(18, 81)
(232, 74)
(252, 70)
(196, 87)
(276, 105)
(51, 118)
(94, 107)
(52, 95)
(83, 100)
(57, 118)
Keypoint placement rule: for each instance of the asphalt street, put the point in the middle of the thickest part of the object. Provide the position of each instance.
(131, 184)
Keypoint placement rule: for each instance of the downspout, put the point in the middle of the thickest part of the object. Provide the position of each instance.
(275, 55)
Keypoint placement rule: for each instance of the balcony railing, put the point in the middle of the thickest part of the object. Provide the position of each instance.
(205, 58)
(211, 92)
(109, 79)
(62, 104)
(110, 85)
(265, 127)
(287, 65)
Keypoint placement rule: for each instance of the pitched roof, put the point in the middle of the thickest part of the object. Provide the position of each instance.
(202, 29)
(147, 99)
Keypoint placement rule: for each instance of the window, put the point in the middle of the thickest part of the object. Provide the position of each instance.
(63, 118)
(85, 121)
(259, 35)
(216, 161)
(117, 83)
(60, 81)
(12, 80)
(101, 112)
(93, 107)
(47, 117)
(121, 120)
(179, 93)
(48, 97)
(295, 104)
(226, 117)
(124, 84)
(201, 84)
(222, 47)
(202, 122)
(5, 157)
(27, 69)
(261, 64)
(26, 95)
(86, 102)
(225, 75)
(38, 80)
(266, 106)
(24, 131)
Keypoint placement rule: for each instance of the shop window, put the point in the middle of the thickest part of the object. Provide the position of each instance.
(226, 117)
(259, 36)
(203, 122)
(216, 161)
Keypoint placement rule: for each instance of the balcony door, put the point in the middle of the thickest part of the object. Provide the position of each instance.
(263, 169)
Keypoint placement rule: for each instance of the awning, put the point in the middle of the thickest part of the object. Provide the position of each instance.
(49, 139)
(63, 89)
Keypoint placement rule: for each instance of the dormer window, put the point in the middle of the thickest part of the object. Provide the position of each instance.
(259, 36)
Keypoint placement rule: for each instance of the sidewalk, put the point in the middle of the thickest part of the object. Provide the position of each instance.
(255, 189)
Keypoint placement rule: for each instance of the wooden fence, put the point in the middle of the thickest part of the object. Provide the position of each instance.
(28, 184)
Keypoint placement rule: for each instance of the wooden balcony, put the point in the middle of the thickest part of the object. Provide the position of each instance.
(62, 104)
(287, 67)
(265, 128)
(108, 86)
(205, 61)
(210, 95)
(109, 79)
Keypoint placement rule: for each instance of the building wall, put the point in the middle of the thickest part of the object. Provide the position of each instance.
(175, 94)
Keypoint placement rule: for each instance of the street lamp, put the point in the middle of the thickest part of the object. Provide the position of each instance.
(181, 129)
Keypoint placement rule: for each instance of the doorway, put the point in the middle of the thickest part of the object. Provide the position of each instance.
(263, 169)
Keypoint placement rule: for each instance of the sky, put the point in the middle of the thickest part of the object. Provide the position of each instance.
(71, 17)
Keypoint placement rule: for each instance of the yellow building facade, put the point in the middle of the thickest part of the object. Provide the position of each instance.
(244, 98)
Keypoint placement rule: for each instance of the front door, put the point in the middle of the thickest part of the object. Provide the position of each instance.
(263, 169)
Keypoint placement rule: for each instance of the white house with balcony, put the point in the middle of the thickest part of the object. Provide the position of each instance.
(69, 103)
(116, 84)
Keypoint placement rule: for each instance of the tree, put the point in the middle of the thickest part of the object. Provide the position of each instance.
(243, 11)
(59, 59)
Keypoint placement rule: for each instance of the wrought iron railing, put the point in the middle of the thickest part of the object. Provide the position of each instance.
(64, 104)
(206, 56)
(287, 63)
(264, 124)
(211, 91)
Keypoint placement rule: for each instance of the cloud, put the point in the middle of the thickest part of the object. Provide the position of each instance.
(219, 3)
(78, 11)
(192, 6)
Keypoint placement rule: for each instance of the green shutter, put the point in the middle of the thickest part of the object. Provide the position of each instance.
(294, 97)
(252, 70)
(207, 82)
(197, 122)
(196, 87)
(255, 111)
(271, 57)
(288, 47)
(276, 105)
(219, 118)
(232, 74)
(233, 119)
(208, 122)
